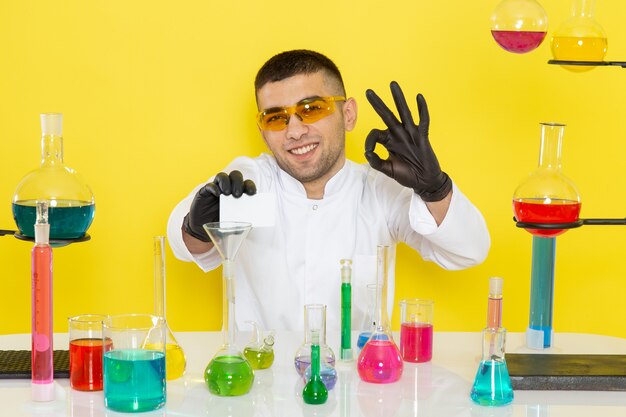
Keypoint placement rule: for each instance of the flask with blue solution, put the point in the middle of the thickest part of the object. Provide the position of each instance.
(492, 385)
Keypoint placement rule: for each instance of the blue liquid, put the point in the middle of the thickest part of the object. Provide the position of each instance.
(362, 340)
(492, 385)
(68, 220)
(328, 373)
(134, 380)
(542, 287)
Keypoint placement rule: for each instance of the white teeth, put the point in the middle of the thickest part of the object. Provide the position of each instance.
(304, 149)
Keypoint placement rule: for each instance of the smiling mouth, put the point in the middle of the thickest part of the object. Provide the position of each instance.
(304, 149)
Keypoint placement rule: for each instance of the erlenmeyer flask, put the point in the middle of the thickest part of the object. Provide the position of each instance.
(546, 195)
(260, 350)
(380, 361)
(229, 373)
(492, 384)
(315, 321)
(71, 202)
(519, 26)
(580, 38)
(175, 362)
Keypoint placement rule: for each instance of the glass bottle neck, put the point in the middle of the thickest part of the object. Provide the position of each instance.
(315, 322)
(382, 320)
(51, 150)
(583, 8)
(551, 145)
(159, 276)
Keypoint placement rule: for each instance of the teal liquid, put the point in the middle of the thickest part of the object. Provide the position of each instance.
(229, 376)
(259, 358)
(68, 220)
(492, 386)
(134, 380)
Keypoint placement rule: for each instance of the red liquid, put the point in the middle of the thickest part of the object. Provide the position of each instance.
(534, 211)
(416, 342)
(380, 362)
(518, 42)
(86, 364)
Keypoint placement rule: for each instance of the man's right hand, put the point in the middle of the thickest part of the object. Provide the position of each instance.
(205, 207)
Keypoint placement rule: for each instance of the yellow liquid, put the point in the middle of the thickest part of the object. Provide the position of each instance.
(175, 361)
(566, 48)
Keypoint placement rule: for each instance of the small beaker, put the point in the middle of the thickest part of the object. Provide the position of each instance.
(134, 377)
(492, 385)
(86, 350)
(416, 330)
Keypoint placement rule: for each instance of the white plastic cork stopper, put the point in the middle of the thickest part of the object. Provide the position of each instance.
(495, 286)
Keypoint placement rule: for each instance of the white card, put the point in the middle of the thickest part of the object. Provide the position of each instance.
(258, 209)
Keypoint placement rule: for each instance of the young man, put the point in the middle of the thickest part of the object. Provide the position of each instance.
(328, 208)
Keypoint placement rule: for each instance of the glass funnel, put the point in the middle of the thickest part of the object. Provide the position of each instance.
(175, 362)
(260, 350)
(547, 195)
(71, 202)
(580, 38)
(380, 361)
(229, 373)
(519, 26)
(315, 322)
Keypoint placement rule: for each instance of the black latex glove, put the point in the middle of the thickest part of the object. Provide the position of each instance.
(205, 207)
(411, 160)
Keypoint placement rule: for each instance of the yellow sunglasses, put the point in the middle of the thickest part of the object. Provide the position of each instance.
(308, 110)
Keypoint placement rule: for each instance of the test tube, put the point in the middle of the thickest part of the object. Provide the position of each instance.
(346, 312)
(42, 368)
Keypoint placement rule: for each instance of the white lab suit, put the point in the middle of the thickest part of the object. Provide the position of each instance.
(297, 262)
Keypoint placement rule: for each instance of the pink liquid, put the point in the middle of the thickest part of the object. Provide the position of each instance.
(41, 359)
(494, 313)
(416, 342)
(380, 362)
(518, 42)
(534, 211)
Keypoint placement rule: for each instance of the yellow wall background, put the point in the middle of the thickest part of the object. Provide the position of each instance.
(158, 96)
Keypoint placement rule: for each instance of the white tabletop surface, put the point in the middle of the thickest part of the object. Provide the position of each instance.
(439, 388)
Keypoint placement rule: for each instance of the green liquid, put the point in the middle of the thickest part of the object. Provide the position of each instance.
(68, 219)
(229, 376)
(259, 359)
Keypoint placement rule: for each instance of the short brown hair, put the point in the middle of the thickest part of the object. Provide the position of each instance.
(298, 61)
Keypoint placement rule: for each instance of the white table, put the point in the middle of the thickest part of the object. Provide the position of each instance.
(438, 389)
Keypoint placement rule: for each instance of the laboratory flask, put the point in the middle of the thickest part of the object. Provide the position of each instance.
(580, 38)
(519, 26)
(71, 204)
(315, 322)
(229, 373)
(315, 391)
(379, 361)
(175, 361)
(547, 195)
(260, 350)
(492, 384)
